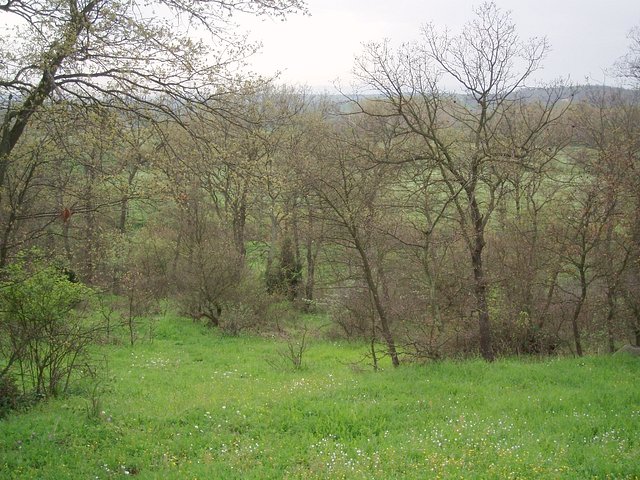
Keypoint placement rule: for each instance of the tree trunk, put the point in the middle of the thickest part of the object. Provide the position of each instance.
(576, 312)
(576, 329)
(273, 241)
(4, 242)
(613, 274)
(480, 288)
(480, 282)
(611, 305)
(296, 233)
(124, 204)
(375, 294)
(239, 222)
(311, 271)
(90, 219)
(311, 254)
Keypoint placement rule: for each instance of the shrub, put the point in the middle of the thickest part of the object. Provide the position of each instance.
(207, 272)
(237, 318)
(352, 313)
(292, 355)
(284, 278)
(9, 394)
(44, 334)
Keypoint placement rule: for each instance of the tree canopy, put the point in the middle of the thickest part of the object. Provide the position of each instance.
(163, 55)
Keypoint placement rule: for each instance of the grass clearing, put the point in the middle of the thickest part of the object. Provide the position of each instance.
(196, 404)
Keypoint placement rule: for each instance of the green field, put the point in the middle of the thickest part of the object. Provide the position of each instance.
(193, 404)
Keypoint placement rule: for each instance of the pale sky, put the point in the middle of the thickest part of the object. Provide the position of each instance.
(586, 36)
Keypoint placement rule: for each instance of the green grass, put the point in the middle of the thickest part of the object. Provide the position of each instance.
(195, 404)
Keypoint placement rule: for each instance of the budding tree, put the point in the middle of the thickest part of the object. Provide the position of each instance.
(121, 54)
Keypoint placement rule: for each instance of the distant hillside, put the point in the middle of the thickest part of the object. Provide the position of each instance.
(582, 92)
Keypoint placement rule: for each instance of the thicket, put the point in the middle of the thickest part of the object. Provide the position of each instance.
(358, 237)
(503, 220)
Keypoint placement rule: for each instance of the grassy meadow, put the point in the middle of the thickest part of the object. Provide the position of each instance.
(194, 404)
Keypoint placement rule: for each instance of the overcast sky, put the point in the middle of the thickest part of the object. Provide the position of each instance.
(586, 36)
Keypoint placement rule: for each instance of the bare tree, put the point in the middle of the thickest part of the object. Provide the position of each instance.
(579, 233)
(351, 190)
(467, 137)
(628, 66)
(607, 129)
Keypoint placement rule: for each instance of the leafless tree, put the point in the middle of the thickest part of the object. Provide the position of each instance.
(351, 189)
(467, 137)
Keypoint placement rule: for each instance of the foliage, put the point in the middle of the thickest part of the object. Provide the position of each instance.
(45, 336)
(94, 52)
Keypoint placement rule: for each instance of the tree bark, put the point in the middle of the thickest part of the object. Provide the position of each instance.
(124, 204)
(311, 270)
(611, 309)
(576, 312)
(311, 254)
(480, 282)
(239, 221)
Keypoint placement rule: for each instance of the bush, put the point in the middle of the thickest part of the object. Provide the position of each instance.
(246, 307)
(237, 318)
(207, 272)
(352, 313)
(292, 355)
(43, 333)
(284, 278)
(280, 316)
(9, 394)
